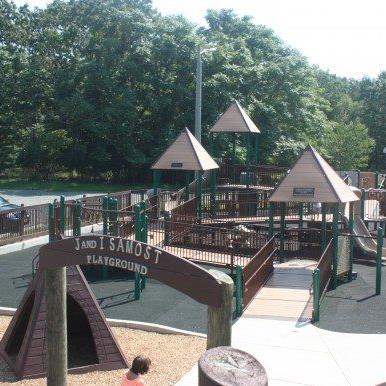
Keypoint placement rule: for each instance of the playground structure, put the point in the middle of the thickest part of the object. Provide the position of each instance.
(284, 236)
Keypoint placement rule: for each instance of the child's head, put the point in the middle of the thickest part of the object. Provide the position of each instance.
(140, 365)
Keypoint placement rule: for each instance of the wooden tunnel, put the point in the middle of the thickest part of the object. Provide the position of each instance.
(91, 344)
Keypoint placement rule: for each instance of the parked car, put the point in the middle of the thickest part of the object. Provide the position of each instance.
(12, 217)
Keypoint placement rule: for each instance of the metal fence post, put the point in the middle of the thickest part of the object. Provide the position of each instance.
(335, 246)
(137, 286)
(271, 222)
(51, 230)
(378, 282)
(239, 290)
(212, 192)
(363, 193)
(282, 229)
(351, 241)
(62, 214)
(316, 295)
(105, 215)
(137, 222)
(324, 228)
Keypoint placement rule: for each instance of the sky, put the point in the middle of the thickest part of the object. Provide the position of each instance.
(345, 37)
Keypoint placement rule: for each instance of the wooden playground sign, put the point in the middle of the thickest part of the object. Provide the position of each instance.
(134, 256)
(304, 192)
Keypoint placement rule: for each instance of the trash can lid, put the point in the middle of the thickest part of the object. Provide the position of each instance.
(226, 365)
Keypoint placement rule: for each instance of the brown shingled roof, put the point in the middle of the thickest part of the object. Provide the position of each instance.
(312, 179)
(234, 120)
(185, 153)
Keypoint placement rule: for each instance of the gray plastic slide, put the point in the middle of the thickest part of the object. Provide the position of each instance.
(367, 246)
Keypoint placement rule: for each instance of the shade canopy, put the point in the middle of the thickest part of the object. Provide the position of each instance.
(234, 120)
(185, 153)
(312, 179)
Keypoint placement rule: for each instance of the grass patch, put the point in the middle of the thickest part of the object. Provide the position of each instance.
(65, 186)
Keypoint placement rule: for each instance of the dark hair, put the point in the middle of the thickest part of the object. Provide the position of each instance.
(140, 365)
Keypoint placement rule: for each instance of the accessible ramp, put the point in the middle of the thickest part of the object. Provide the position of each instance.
(286, 295)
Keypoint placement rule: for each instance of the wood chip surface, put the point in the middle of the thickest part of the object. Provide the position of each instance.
(171, 355)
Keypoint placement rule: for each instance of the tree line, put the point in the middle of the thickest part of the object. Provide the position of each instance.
(99, 89)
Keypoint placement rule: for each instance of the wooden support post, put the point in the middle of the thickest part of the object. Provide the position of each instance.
(301, 214)
(335, 235)
(220, 318)
(56, 318)
(316, 295)
(324, 228)
(378, 282)
(363, 197)
(351, 241)
(282, 230)
(271, 222)
(62, 214)
(239, 290)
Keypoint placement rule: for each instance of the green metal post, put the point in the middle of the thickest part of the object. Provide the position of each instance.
(239, 290)
(105, 215)
(213, 192)
(324, 228)
(145, 221)
(363, 196)
(271, 223)
(78, 215)
(282, 228)
(137, 222)
(316, 295)
(301, 214)
(256, 152)
(199, 195)
(137, 286)
(51, 225)
(351, 241)
(156, 181)
(248, 182)
(233, 158)
(335, 234)
(62, 214)
(187, 182)
(378, 282)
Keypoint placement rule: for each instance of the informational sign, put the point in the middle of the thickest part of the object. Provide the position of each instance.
(303, 192)
(176, 164)
(135, 256)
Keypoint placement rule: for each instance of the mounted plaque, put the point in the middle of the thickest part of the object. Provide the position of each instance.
(303, 192)
(176, 164)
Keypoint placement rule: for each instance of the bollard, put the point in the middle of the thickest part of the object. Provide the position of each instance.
(220, 318)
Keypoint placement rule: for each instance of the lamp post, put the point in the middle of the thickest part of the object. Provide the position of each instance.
(197, 117)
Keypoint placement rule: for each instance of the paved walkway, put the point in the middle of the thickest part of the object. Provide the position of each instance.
(286, 295)
(348, 349)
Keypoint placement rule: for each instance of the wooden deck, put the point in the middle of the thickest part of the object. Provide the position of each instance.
(286, 295)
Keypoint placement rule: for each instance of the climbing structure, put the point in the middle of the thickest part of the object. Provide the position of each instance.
(91, 344)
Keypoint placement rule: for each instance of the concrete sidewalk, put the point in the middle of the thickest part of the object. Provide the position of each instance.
(296, 354)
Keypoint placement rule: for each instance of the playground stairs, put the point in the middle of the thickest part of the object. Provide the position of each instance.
(286, 295)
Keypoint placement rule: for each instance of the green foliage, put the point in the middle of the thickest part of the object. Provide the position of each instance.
(101, 88)
(349, 145)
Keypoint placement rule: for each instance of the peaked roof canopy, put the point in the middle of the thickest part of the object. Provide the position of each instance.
(234, 120)
(312, 179)
(185, 153)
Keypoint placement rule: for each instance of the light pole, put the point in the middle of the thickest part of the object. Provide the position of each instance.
(197, 116)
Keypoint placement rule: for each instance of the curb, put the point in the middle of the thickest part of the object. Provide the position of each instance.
(143, 326)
